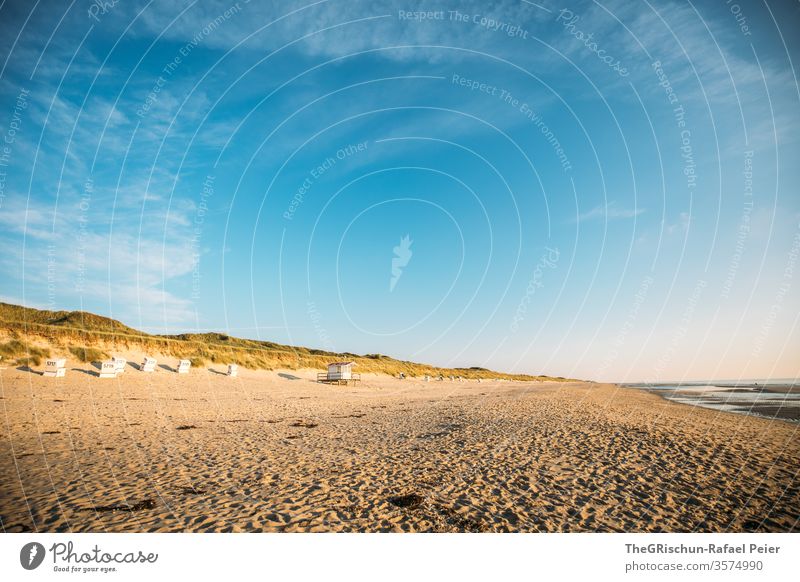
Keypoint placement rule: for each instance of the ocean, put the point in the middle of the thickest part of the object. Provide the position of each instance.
(768, 398)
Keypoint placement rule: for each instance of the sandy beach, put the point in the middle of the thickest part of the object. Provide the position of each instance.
(277, 452)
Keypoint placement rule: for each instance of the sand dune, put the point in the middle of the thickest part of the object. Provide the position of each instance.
(274, 451)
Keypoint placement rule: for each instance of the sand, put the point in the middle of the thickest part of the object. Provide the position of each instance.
(277, 452)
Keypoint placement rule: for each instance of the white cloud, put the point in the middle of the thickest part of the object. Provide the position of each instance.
(82, 258)
(681, 226)
(372, 25)
(609, 211)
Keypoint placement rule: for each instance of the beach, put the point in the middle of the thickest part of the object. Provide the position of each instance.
(274, 451)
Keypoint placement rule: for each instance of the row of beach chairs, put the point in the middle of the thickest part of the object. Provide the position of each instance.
(427, 378)
(57, 367)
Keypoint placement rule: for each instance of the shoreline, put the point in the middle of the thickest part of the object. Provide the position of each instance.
(732, 399)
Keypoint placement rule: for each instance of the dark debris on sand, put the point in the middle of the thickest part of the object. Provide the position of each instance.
(304, 424)
(138, 506)
(192, 491)
(447, 517)
(410, 501)
(460, 523)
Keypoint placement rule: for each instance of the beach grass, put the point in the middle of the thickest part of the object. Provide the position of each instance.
(86, 335)
(88, 354)
(23, 353)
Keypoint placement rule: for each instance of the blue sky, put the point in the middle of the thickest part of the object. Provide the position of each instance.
(604, 190)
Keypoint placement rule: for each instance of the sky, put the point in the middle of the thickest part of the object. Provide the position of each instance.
(604, 190)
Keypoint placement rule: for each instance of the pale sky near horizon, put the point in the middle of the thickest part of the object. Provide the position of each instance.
(603, 190)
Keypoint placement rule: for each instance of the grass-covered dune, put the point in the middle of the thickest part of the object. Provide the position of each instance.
(30, 335)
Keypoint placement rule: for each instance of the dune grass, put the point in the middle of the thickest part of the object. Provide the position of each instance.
(23, 353)
(87, 336)
(88, 354)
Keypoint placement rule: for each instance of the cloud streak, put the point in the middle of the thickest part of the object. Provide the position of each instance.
(609, 211)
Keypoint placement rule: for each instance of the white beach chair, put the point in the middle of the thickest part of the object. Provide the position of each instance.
(233, 370)
(183, 366)
(119, 364)
(148, 365)
(108, 369)
(55, 368)
(427, 378)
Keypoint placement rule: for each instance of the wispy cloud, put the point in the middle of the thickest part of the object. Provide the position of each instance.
(609, 211)
(681, 226)
(333, 29)
(82, 259)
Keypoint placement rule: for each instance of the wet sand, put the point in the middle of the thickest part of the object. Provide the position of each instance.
(774, 401)
(277, 452)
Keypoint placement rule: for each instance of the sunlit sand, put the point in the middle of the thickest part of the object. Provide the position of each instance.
(277, 451)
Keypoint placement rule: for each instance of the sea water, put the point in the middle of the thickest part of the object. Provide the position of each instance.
(772, 398)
